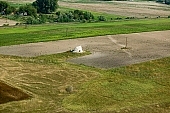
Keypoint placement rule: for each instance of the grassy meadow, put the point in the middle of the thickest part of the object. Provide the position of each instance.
(52, 32)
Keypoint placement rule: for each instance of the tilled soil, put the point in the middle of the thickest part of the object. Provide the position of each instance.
(107, 51)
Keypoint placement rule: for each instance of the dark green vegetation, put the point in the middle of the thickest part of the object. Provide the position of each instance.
(27, 14)
(164, 1)
(50, 32)
(45, 6)
(27, 10)
(74, 16)
(5, 8)
(136, 88)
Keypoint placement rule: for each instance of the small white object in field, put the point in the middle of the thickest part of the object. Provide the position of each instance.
(78, 49)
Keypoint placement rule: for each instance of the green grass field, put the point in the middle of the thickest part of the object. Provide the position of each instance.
(129, 87)
(51, 32)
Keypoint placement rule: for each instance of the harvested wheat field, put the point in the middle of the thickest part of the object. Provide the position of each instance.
(8, 93)
(123, 8)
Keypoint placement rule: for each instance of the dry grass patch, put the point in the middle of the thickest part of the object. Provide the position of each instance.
(45, 78)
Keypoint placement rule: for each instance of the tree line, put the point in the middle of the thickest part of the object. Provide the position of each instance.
(72, 16)
(42, 11)
(164, 1)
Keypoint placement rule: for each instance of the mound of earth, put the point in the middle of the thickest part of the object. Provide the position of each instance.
(8, 93)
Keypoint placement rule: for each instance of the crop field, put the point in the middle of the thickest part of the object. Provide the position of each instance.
(145, 9)
(38, 73)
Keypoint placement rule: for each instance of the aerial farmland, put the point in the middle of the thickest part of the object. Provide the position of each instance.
(124, 66)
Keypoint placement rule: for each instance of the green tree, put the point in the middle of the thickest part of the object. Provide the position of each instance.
(3, 6)
(101, 18)
(10, 9)
(167, 2)
(28, 9)
(45, 6)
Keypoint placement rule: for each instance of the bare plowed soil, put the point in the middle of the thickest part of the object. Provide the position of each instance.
(106, 51)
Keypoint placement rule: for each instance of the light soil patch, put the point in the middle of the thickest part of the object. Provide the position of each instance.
(20, 1)
(106, 51)
(7, 21)
(123, 8)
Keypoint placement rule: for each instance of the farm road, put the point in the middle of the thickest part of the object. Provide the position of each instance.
(106, 50)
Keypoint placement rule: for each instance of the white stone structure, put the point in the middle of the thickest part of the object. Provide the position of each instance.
(78, 49)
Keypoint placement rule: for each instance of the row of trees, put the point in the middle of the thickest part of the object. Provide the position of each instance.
(6, 9)
(71, 16)
(76, 15)
(40, 11)
(45, 6)
(29, 12)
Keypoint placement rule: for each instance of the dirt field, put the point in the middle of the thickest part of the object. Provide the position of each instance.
(106, 50)
(5, 22)
(124, 8)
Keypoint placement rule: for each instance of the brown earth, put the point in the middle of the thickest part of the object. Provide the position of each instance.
(106, 51)
(7, 22)
(123, 8)
(8, 93)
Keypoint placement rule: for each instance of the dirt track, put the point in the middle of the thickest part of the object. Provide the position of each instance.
(106, 50)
